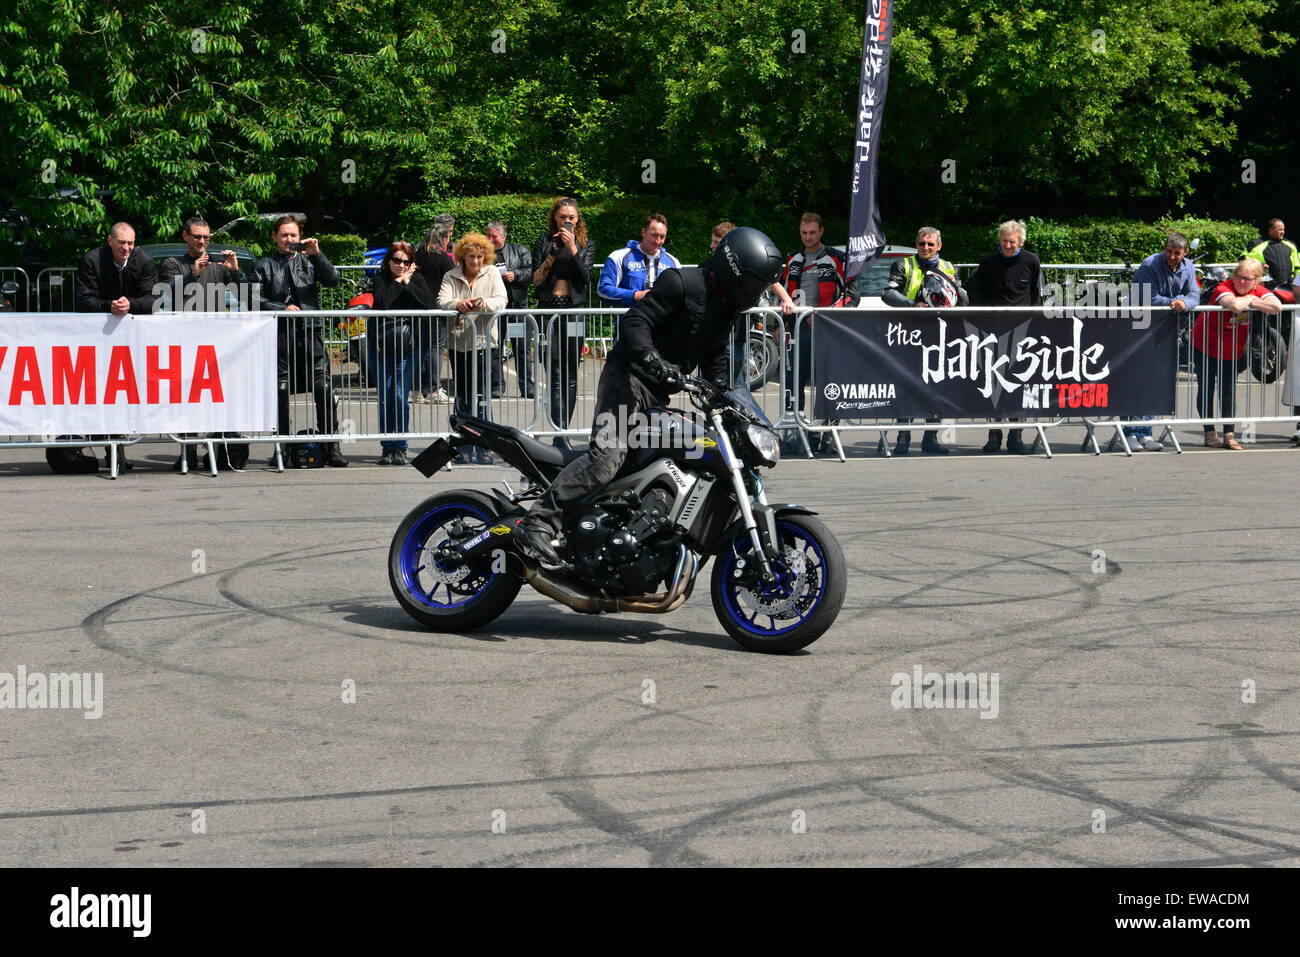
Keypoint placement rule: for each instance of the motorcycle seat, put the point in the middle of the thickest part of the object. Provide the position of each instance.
(539, 452)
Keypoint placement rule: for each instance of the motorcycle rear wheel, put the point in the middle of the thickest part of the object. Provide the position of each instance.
(800, 607)
(449, 597)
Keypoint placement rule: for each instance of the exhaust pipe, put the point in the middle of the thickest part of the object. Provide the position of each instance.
(587, 603)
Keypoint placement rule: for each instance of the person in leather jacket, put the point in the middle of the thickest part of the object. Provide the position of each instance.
(288, 282)
(684, 321)
(515, 263)
(562, 261)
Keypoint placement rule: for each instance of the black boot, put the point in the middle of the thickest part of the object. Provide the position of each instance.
(994, 444)
(1015, 444)
(904, 443)
(930, 443)
(535, 538)
(335, 458)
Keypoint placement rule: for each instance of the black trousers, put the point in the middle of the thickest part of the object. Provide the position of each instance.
(1210, 370)
(618, 396)
(564, 352)
(303, 365)
(471, 386)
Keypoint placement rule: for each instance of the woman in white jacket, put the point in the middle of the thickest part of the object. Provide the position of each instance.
(477, 293)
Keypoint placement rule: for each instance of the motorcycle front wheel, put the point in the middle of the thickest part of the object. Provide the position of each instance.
(449, 595)
(795, 610)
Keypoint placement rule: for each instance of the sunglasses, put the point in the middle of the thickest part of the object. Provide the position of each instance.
(1236, 278)
(401, 262)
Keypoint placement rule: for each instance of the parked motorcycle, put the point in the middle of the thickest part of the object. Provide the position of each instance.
(778, 578)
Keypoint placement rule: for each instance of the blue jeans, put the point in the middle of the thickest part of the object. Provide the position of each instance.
(392, 374)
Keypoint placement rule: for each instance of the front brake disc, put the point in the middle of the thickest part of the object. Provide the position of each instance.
(782, 606)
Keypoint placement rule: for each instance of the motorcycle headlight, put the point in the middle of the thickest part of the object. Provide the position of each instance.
(765, 443)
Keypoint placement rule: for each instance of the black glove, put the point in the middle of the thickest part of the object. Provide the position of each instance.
(661, 372)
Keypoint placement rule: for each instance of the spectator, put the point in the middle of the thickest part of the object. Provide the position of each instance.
(813, 276)
(1220, 340)
(562, 261)
(475, 290)
(433, 260)
(390, 342)
(1280, 257)
(198, 267)
(1164, 279)
(514, 262)
(289, 279)
(630, 272)
(907, 287)
(1291, 392)
(739, 345)
(196, 277)
(1009, 276)
(117, 278)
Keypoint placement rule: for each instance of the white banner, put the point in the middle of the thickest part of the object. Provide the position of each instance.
(90, 373)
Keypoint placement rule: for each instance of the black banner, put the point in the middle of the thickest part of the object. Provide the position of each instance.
(914, 363)
(866, 238)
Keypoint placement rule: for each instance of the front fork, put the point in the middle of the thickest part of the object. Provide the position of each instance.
(742, 497)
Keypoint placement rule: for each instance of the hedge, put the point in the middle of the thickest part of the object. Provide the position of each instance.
(611, 222)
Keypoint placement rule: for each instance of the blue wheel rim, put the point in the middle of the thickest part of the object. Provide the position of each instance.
(787, 535)
(415, 557)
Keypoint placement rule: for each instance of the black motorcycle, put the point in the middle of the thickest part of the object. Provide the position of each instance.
(689, 491)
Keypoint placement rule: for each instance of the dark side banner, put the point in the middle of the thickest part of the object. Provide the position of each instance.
(912, 363)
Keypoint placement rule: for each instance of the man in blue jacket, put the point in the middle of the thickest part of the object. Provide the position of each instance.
(630, 272)
(1164, 279)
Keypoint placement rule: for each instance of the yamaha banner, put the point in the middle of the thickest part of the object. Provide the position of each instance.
(866, 238)
(915, 363)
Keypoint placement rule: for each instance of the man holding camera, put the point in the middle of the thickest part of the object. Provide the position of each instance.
(199, 267)
(288, 281)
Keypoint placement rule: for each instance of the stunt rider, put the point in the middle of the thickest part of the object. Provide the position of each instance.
(684, 321)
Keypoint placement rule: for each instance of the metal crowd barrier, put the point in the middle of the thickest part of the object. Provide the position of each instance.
(1256, 397)
(368, 389)
(15, 289)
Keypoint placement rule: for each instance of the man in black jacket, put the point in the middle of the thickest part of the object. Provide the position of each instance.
(516, 265)
(117, 278)
(200, 271)
(684, 321)
(1009, 276)
(288, 283)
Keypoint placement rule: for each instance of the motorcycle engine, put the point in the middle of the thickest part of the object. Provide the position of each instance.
(611, 547)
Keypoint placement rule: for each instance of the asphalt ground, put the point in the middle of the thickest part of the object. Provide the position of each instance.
(1140, 614)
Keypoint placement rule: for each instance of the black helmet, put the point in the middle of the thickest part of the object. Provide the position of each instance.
(746, 262)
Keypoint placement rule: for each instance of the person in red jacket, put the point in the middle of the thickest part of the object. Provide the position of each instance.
(1220, 338)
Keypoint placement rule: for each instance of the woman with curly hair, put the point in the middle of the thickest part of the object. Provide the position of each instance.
(562, 261)
(477, 293)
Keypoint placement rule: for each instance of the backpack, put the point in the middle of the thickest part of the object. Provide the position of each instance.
(307, 455)
(69, 460)
(231, 456)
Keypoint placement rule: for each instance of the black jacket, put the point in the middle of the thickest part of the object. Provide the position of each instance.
(575, 269)
(292, 280)
(98, 281)
(433, 266)
(183, 266)
(681, 319)
(392, 334)
(519, 261)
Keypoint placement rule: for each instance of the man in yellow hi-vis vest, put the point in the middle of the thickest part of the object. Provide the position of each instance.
(907, 288)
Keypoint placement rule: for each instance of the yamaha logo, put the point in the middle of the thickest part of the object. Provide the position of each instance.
(859, 390)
